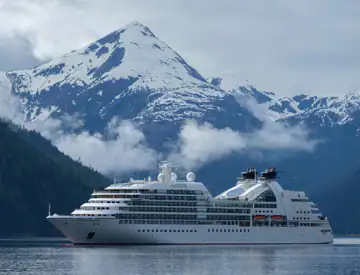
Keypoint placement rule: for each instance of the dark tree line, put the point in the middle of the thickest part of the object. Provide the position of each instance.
(34, 173)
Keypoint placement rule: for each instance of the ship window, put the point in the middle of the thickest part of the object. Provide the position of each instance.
(240, 230)
(266, 196)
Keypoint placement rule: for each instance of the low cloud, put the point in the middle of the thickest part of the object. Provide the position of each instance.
(126, 151)
(199, 144)
(121, 150)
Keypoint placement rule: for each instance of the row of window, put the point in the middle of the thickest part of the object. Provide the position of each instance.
(159, 209)
(97, 201)
(294, 224)
(228, 217)
(199, 222)
(150, 197)
(229, 230)
(93, 215)
(300, 200)
(183, 217)
(157, 216)
(168, 230)
(152, 191)
(266, 223)
(228, 210)
(184, 209)
(265, 205)
(226, 203)
(161, 203)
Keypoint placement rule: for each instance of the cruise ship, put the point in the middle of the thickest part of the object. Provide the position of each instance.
(168, 210)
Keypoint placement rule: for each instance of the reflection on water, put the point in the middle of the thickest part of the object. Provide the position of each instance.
(52, 258)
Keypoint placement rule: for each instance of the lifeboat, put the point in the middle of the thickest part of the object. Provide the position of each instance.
(259, 218)
(277, 217)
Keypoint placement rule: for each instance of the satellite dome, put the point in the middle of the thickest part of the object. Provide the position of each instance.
(173, 176)
(161, 177)
(190, 176)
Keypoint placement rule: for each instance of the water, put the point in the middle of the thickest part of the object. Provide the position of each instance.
(49, 256)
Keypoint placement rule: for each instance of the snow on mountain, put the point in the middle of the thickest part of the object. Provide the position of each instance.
(132, 74)
(125, 62)
(326, 110)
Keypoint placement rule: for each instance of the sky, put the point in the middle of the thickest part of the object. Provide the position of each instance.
(286, 47)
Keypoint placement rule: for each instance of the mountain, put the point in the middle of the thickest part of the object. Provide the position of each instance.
(33, 173)
(130, 73)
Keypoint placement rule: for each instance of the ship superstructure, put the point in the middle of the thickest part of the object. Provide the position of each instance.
(257, 210)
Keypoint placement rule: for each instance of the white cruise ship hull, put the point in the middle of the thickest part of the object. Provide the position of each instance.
(108, 231)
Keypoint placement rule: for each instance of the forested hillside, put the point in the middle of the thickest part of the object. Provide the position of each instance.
(340, 202)
(33, 173)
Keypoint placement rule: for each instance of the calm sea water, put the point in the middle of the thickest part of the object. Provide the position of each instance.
(49, 256)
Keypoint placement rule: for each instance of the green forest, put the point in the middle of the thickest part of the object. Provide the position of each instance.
(34, 173)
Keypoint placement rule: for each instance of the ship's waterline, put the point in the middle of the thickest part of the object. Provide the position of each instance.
(171, 211)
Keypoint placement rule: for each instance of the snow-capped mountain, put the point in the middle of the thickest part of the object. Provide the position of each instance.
(323, 111)
(129, 72)
(132, 74)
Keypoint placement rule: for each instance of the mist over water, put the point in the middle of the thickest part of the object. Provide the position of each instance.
(50, 257)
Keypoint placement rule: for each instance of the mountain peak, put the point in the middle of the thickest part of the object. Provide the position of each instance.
(132, 52)
(137, 26)
(129, 62)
